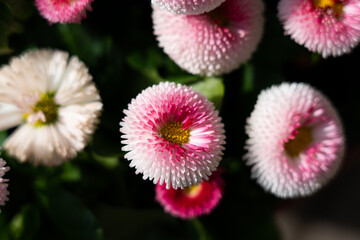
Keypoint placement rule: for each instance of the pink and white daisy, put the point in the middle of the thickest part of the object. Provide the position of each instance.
(173, 135)
(54, 101)
(63, 11)
(296, 141)
(213, 43)
(193, 201)
(189, 7)
(328, 27)
(3, 183)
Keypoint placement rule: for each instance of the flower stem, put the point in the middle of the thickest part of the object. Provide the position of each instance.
(203, 235)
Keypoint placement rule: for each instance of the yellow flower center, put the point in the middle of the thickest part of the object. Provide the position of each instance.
(301, 141)
(47, 106)
(174, 133)
(192, 191)
(336, 5)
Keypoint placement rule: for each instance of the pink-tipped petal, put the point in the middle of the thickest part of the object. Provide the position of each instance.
(213, 43)
(63, 11)
(330, 28)
(3, 183)
(194, 201)
(173, 134)
(188, 7)
(296, 141)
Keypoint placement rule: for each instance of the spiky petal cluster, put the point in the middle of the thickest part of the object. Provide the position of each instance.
(173, 135)
(3, 183)
(296, 140)
(213, 43)
(189, 7)
(63, 11)
(193, 201)
(328, 27)
(54, 101)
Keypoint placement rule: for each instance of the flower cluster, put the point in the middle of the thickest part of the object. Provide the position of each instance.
(172, 134)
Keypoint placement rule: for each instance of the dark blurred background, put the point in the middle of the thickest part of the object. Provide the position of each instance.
(98, 196)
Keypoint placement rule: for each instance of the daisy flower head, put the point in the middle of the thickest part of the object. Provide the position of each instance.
(193, 201)
(327, 27)
(296, 141)
(63, 11)
(189, 7)
(213, 43)
(55, 103)
(3, 183)
(173, 134)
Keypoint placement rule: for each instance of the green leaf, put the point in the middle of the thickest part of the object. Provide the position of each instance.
(213, 88)
(71, 172)
(3, 136)
(82, 43)
(147, 63)
(8, 26)
(71, 217)
(26, 223)
(4, 233)
(248, 78)
(106, 161)
(186, 79)
(5, 12)
(125, 223)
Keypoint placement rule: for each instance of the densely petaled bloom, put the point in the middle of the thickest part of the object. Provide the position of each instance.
(296, 141)
(3, 183)
(55, 102)
(328, 27)
(213, 43)
(189, 7)
(63, 11)
(173, 135)
(192, 201)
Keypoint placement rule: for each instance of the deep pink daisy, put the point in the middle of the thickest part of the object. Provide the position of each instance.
(328, 27)
(173, 135)
(192, 201)
(189, 7)
(3, 183)
(63, 11)
(213, 43)
(296, 140)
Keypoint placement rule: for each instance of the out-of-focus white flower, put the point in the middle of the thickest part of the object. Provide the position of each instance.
(54, 101)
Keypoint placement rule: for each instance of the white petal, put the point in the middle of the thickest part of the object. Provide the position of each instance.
(10, 116)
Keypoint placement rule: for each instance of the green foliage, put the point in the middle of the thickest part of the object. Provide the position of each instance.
(212, 88)
(71, 217)
(26, 223)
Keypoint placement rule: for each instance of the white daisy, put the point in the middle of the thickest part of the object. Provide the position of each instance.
(54, 101)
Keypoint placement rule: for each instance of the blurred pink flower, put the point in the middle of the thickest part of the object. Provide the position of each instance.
(213, 43)
(192, 201)
(189, 7)
(296, 140)
(63, 11)
(3, 183)
(328, 27)
(173, 135)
